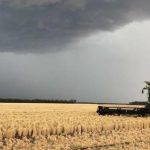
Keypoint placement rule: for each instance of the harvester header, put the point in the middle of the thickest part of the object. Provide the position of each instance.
(127, 109)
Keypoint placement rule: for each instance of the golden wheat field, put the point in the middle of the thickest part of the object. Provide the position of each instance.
(69, 127)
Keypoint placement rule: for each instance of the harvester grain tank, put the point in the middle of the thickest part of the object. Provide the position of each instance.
(127, 109)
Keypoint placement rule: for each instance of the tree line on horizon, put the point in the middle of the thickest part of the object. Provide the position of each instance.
(13, 100)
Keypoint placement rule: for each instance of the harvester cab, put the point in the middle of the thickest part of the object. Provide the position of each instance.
(147, 87)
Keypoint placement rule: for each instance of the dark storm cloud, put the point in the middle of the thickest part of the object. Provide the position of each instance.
(48, 25)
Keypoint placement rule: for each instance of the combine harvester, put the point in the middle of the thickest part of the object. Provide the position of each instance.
(127, 109)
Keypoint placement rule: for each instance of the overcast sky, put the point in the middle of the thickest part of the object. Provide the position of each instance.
(89, 50)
